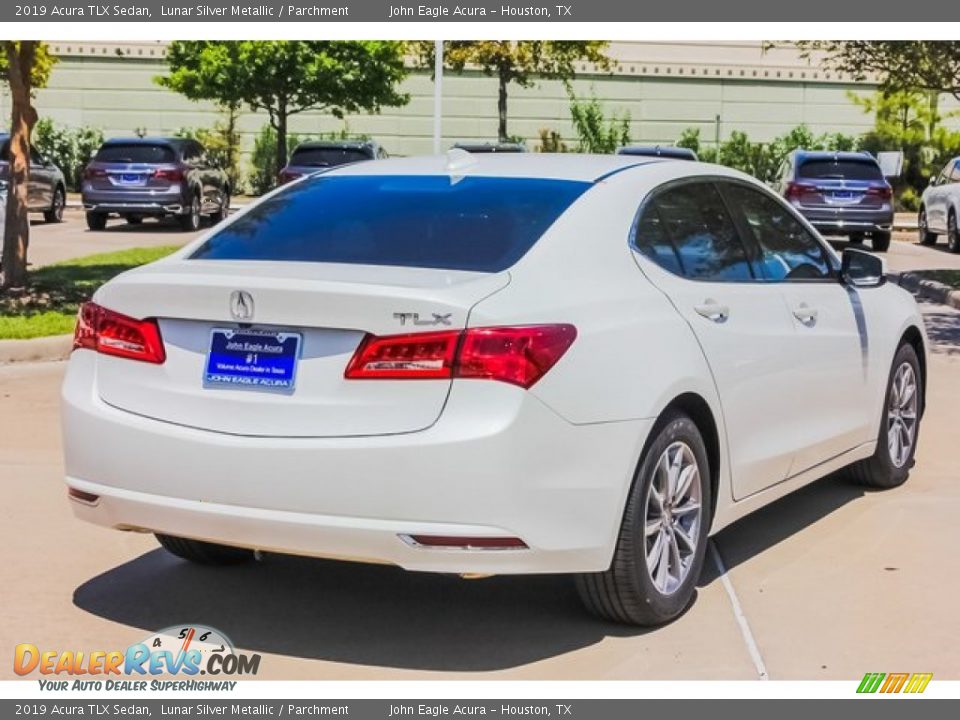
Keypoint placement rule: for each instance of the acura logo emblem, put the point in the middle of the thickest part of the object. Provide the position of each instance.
(241, 305)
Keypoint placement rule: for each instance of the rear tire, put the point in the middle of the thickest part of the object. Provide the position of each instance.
(926, 237)
(638, 589)
(953, 234)
(222, 211)
(134, 220)
(96, 220)
(203, 553)
(191, 221)
(55, 213)
(880, 241)
(856, 238)
(889, 466)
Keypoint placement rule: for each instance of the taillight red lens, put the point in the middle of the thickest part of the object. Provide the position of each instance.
(417, 355)
(92, 172)
(285, 176)
(796, 189)
(518, 355)
(111, 333)
(171, 174)
(883, 192)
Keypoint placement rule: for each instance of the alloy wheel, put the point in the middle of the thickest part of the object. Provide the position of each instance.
(902, 415)
(672, 516)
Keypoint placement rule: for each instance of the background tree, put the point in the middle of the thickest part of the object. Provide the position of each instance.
(929, 65)
(25, 65)
(596, 132)
(284, 78)
(517, 61)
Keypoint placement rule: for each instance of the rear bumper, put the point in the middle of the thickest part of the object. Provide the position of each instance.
(497, 463)
(842, 220)
(139, 201)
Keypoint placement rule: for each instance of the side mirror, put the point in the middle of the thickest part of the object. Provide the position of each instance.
(860, 269)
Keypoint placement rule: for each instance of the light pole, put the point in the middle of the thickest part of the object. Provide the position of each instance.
(437, 95)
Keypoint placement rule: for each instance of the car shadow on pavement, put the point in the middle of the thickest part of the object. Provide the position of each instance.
(354, 613)
(943, 329)
(771, 525)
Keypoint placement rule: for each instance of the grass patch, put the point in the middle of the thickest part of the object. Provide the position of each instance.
(947, 277)
(48, 306)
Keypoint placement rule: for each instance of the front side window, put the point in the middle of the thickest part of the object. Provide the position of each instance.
(788, 250)
(701, 232)
(483, 224)
(955, 174)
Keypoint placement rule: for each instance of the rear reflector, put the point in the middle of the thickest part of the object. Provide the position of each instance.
(468, 543)
(82, 496)
(518, 355)
(110, 333)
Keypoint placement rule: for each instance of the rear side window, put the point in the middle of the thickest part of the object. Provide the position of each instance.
(829, 169)
(653, 242)
(136, 153)
(702, 233)
(482, 224)
(327, 157)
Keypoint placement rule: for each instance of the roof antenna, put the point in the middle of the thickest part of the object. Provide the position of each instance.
(458, 159)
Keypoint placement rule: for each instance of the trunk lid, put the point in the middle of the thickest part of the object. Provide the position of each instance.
(331, 307)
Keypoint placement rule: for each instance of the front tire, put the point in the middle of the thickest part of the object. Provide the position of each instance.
(880, 241)
(926, 237)
(889, 466)
(953, 234)
(663, 536)
(203, 553)
(55, 213)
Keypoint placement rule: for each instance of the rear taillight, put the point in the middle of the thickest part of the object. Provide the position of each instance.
(796, 189)
(111, 333)
(285, 176)
(92, 172)
(518, 355)
(884, 192)
(171, 174)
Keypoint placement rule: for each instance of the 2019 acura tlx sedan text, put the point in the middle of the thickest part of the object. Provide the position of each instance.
(492, 364)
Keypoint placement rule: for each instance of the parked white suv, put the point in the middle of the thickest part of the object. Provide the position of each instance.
(502, 363)
(940, 207)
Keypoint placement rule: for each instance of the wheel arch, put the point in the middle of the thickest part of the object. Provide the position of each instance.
(698, 410)
(914, 337)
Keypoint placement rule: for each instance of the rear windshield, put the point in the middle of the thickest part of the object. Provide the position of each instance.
(828, 169)
(327, 157)
(476, 223)
(137, 153)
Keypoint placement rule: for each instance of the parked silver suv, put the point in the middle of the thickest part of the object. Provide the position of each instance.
(47, 193)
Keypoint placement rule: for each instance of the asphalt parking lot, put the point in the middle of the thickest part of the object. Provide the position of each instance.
(828, 583)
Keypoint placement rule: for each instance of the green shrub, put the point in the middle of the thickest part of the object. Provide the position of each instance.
(70, 149)
(551, 142)
(596, 132)
(263, 159)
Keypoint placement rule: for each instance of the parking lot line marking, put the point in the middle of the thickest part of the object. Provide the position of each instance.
(738, 614)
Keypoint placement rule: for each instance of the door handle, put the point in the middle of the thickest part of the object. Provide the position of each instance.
(712, 310)
(805, 314)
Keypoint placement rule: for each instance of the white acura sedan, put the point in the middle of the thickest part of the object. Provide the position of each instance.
(483, 364)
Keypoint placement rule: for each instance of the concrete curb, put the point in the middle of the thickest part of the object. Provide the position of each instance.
(44, 349)
(930, 289)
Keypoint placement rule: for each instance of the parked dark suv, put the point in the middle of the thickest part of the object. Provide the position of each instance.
(668, 152)
(840, 193)
(48, 191)
(141, 177)
(313, 155)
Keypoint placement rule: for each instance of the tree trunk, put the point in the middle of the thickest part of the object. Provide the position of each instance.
(233, 113)
(281, 138)
(23, 117)
(502, 107)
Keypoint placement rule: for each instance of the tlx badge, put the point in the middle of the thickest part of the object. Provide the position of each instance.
(407, 318)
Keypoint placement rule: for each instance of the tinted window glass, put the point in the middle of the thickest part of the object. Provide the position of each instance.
(475, 223)
(4, 149)
(327, 157)
(789, 252)
(706, 240)
(136, 153)
(653, 242)
(828, 169)
(955, 175)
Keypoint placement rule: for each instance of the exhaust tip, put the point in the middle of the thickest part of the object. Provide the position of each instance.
(81, 496)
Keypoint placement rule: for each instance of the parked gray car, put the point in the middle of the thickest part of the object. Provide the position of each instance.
(840, 193)
(48, 190)
(153, 177)
(312, 156)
